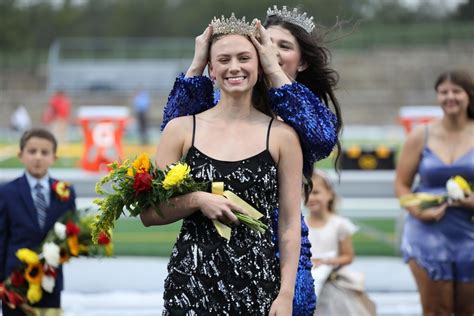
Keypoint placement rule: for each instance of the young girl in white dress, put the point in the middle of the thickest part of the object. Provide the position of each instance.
(340, 290)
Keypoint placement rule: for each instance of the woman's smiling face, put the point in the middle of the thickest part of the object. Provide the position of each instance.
(453, 99)
(234, 63)
(289, 52)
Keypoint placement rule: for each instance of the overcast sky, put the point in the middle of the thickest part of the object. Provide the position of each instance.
(447, 4)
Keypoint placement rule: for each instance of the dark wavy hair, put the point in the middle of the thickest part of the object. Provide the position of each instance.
(462, 79)
(319, 77)
(260, 99)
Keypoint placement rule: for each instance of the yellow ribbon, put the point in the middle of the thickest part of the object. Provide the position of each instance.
(44, 311)
(223, 229)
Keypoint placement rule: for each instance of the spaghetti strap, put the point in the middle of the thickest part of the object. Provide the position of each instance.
(268, 132)
(194, 129)
(427, 130)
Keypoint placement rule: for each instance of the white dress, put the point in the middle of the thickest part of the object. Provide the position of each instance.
(340, 291)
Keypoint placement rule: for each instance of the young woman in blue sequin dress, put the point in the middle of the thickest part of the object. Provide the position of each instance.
(297, 67)
(259, 159)
(438, 243)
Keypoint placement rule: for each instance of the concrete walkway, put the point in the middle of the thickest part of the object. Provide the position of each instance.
(126, 286)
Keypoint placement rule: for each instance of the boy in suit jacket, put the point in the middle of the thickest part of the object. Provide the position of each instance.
(29, 207)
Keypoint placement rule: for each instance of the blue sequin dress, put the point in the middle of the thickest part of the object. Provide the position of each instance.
(316, 127)
(445, 249)
(208, 275)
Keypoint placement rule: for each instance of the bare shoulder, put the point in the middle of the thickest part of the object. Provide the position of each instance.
(178, 131)
(284, 132)
(417, 136)
(179, 127)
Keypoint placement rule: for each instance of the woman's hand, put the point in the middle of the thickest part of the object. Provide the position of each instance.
(282, 305)
(268, 53)
(201, 49)
(467, 202)
(432, 213)
(218, 207)
(317, 262)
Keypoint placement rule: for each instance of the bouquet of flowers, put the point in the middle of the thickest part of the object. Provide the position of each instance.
(457, 188)
(139, 185)
(70, 237)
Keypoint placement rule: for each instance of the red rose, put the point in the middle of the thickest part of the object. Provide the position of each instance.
(17, 279)
(72, 229)
(142, 182)
(103, 239)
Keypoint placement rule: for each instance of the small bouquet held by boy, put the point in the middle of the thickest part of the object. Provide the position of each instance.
(38, 269)
(457, 188)
(139, 185)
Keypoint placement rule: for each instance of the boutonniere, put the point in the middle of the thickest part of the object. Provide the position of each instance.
(62, 190)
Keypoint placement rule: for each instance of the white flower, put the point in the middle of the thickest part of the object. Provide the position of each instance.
(455, 192)
(51, 254)
(47, 283)
(60, 230)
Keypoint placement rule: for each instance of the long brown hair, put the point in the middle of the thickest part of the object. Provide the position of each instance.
(319, 76)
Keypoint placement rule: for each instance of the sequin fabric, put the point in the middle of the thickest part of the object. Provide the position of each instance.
(314, 122)
(298, 106)
(185, 99)
(189, 96)
(207, 274)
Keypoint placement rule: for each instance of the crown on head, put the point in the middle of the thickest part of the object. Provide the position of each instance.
(233, 25)
(294, 17)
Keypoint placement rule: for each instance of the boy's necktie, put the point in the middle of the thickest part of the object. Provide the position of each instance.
(41, 206)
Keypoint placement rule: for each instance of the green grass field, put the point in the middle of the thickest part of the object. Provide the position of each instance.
(131, 238)
(375, 237)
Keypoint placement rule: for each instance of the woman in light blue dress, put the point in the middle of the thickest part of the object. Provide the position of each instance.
(438, 243)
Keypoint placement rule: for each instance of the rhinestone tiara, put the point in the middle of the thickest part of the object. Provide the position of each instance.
(294, 17)
(233, 25)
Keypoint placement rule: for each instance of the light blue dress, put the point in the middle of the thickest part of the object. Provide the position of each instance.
(445, 249)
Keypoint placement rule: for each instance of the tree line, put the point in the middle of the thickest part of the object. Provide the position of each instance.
(33, 25)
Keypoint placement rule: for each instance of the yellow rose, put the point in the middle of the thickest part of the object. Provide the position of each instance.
(34, 293)
(462, 184)
(141, 164)
(176, 175)
(28, 256)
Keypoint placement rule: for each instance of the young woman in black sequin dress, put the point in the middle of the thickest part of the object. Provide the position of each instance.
(259, 159)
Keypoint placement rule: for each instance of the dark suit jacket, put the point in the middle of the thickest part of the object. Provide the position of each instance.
(19, 227)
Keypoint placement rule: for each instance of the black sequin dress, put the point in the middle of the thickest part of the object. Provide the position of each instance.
(210, 275)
